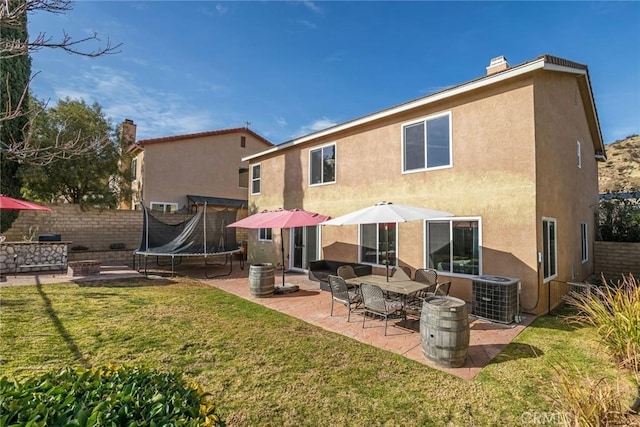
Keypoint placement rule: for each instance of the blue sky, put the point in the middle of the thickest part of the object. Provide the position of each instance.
(294, 67)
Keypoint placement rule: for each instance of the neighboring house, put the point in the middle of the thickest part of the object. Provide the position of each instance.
(512, 154)
(177, 173)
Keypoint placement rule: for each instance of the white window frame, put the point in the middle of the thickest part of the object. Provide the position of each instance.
(335, 165)
(397, 255)
(134, 168)
(164, 205)
(425, 120)
(584, 242)
(258, 180)
(265, 234)
(548, 262)
(451, 220)
(579, 153)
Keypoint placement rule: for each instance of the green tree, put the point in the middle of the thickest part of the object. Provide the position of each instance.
(15, 71)
(88, 178)
(619, 219)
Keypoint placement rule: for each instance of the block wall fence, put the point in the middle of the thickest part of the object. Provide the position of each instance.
(616, 258)
(98, 229)
(95, 229)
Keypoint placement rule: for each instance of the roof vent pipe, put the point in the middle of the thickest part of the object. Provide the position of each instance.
(499, 63)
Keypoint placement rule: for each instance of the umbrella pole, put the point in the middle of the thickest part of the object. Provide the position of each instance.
(282, 247)
(386, 232)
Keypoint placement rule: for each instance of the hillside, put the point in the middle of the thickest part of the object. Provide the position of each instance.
(621, 171)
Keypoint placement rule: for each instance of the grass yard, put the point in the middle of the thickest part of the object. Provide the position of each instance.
(266, 368)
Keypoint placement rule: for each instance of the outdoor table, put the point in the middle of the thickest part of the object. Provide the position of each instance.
(401, 287)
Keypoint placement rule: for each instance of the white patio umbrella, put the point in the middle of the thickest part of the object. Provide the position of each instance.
(386, 212)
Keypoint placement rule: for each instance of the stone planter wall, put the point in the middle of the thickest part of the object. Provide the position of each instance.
(20, 257)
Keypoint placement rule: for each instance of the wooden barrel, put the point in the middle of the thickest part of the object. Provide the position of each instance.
(261, 280)
(444, 331)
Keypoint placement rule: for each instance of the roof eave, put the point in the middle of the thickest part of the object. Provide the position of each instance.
(457, 90)
(543, 62)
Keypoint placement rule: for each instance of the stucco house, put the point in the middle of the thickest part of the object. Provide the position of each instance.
(182, 171)
(512, 154)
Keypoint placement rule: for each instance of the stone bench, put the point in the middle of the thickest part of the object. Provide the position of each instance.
(83, 268)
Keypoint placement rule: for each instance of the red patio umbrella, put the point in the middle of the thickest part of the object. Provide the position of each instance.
(281, 218)
(9, 203)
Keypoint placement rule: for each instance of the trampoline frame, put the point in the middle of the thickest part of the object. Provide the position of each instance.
(228, 259)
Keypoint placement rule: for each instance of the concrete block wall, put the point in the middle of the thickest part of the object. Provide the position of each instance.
(94, 228)
(616, 258)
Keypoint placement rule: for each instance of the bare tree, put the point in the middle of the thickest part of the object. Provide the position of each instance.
(13, 15)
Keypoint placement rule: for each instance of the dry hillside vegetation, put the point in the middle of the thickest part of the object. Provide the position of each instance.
(621, 171)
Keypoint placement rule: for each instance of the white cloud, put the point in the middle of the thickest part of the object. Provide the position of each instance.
(280, 121)
(156, 112)
(312, 6)
(306, 23)
(316, 126)
(222, 9)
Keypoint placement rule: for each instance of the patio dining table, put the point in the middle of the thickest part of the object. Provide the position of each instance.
(402, 287)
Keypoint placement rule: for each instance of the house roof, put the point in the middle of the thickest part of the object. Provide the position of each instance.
(144, 142)
(217, 201)
(544, 62)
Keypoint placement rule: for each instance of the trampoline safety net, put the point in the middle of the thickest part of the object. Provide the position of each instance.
(204, 233)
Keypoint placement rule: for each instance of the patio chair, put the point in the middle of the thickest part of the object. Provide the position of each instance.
(402, 272)
(428, 276)
(342, 294)
(442, 290)
(347, 272)
(375, 303)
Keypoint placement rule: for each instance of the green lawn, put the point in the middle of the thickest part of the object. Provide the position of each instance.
(266, 368)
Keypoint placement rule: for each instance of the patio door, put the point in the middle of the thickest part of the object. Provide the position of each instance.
(304, 246)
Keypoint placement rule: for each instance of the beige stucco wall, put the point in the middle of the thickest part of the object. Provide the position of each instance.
(514, 161)
(202, 166)
(566, 192)
(492, 178)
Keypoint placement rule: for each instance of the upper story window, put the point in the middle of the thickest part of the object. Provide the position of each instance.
(322, 165)
(243, 141)
(255, 179)
(265, 234)
(164, 207)
(243, 177)
(134, 168)
(426, 144)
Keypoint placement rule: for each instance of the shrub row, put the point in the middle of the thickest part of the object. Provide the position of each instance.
(111, 395)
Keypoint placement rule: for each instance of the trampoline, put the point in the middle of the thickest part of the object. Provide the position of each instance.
(204, 235)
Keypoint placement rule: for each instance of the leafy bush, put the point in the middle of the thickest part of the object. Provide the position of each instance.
(619, 219)
(116, 246)
(614, 310)
(106, 396)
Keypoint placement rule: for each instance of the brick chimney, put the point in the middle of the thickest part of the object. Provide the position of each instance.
(127, 132)
(499, 63)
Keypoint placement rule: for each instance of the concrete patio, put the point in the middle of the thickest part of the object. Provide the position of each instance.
(312, 305)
